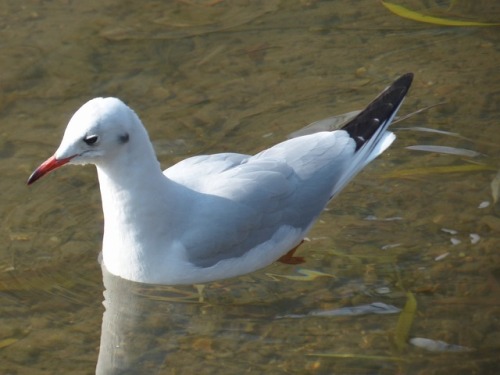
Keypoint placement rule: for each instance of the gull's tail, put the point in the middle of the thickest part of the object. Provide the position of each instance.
(369, 128)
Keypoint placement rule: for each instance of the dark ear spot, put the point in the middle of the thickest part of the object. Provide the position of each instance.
(123, 138)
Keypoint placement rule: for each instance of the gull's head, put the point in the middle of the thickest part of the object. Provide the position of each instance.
(97, 132)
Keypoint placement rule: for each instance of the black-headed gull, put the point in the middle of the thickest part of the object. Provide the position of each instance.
(214, 216)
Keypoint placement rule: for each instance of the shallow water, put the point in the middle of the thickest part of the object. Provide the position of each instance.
(239, 76)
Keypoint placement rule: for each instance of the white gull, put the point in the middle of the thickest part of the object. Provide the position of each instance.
(215, 216)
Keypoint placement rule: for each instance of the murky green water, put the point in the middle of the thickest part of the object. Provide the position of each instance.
(211, 76)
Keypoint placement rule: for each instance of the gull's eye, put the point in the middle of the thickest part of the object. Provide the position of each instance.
(90, 139)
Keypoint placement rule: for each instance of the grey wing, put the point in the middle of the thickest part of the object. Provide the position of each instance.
(245, 208)
(191, 171)
(246, 204)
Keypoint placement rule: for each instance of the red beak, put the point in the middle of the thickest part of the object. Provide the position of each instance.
(47, 166)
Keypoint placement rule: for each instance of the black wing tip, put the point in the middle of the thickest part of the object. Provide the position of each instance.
(362, 127)
(404, 80)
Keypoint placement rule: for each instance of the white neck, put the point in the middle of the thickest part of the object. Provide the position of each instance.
(135, 193)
